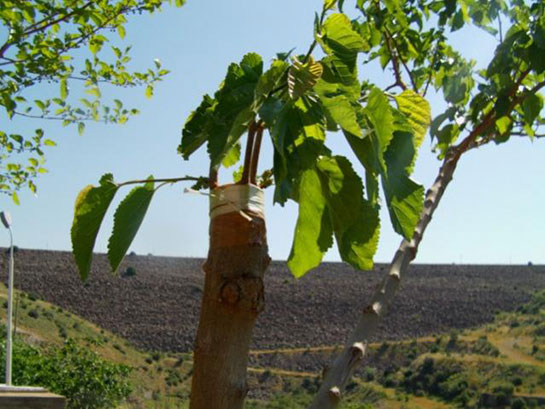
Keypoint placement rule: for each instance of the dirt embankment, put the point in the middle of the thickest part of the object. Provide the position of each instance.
(158, 307)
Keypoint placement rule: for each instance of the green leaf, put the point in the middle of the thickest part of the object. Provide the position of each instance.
(269, 81)
(64, 88)
(233, 111)
(233, 156)
(81, 128)
(90, 208)
(418, 112)
(503, 124)
(95, 91)
(313, 232)
(298, 137)
(15, 198)
(220, 148)
(149, 91)
(380, 115)
(339, 39)
(343, 113)
(404, 197)
(121, 31)
(127, 220)
(532, 106)
(195, 131)
(303, 76)
(329, 4)
(355, 222)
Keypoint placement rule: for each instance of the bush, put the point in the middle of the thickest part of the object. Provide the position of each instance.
(518, 404)
(82, 376)
(129, 272)
(33, 314)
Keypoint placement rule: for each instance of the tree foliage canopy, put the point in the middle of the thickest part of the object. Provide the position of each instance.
(301, 101)
(39, 47)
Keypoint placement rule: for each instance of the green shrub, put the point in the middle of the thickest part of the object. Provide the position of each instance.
(536, 304)
(86, 380)
(129, 272)
(33, 313)
(518, 404)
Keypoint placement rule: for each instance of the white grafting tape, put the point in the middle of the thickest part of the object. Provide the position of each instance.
(237, 198)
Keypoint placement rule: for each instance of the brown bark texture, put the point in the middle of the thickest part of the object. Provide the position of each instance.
(233, 297)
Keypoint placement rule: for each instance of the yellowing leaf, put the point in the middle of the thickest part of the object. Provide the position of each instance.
(303, 76)
(418, 113)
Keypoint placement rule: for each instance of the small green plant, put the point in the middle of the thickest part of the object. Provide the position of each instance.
(129, 272)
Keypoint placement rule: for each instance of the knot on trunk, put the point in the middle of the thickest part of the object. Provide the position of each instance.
(243, 293)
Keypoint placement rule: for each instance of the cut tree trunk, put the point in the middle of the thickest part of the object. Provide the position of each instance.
(233, 297)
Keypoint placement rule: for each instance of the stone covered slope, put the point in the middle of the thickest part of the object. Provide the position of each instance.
(158, 307)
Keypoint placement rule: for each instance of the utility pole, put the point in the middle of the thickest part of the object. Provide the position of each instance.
(5, 217)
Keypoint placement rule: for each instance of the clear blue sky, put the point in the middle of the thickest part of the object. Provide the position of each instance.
(491, 213)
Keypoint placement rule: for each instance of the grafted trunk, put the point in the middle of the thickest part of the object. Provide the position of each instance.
(233, 297)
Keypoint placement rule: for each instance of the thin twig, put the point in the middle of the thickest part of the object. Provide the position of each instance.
(395, 63)
(165, 180)
(409, 73)
(36, 28)
(58, 118)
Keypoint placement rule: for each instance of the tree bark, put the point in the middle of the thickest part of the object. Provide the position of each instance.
(340, 372)
(233, 297)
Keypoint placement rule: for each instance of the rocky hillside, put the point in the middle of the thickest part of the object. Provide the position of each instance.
(157, 307)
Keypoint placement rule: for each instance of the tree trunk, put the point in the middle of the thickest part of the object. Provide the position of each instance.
(233, 297)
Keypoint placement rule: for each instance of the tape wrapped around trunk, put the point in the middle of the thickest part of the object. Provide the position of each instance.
(237, 216)
(237, 198)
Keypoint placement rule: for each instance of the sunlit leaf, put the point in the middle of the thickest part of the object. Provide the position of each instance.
(127, 220)
(90, 208)
(313, 232)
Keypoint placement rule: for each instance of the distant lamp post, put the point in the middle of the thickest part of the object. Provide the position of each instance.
(5, 217)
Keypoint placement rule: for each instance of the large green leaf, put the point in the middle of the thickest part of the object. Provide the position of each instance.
(90, 208)
(195, 132)
(404, 197)
(221, 121)
(313, 233)
(234, 108)
(389, 151)
(298, 137)
(343, 113)
(340, 40)
(127, 220)
(380, 116)
(355, 222)
(418, 113)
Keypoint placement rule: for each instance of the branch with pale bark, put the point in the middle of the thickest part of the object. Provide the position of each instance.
(339, 373)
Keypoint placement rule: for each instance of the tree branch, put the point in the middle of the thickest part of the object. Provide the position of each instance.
(57, 118)
(248, 154)
(166, 180)
(395, 63)
(329, 394)
(34, 28)
(255, 154)
(409, 73)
